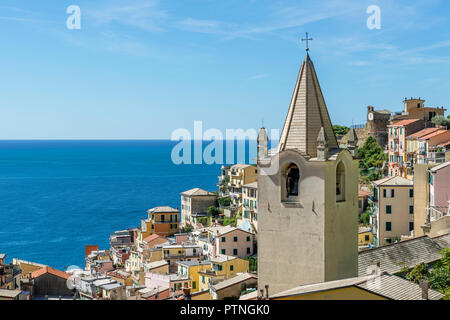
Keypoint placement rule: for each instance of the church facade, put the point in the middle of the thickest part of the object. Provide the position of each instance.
(308, 196)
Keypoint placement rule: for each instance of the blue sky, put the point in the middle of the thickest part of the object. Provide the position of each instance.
(143, 68)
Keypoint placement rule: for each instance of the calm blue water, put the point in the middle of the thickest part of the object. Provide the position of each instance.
(58, 196)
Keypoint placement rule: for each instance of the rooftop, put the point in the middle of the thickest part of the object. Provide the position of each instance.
(111, 286)
(156, 264)
(409, 253)
(362, 193)
(220, 231)
(240, 166)
(194, 263)
(197, 192)
(422, 133)
(403, 122)
(163, 209)
(434, 134)
(394, 181)
(385, 285)
(50, 270)
(364, 230)
(222, 258)
(439, 167)
(152, 237)
(235, 280)
(6, 293)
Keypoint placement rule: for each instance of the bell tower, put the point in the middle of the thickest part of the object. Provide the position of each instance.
(307, 197)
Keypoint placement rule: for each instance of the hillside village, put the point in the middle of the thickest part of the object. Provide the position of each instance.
(347, 215)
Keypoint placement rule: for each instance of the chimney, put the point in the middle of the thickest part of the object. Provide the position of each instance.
(425, 286)
(261, 296)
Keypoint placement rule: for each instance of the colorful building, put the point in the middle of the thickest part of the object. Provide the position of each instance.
(239, 175)
(250, 204)
(365, 237)
(393, 215)
(397, 133)
(222, 267)
(231, 241)
(191, 269)
(194, 205)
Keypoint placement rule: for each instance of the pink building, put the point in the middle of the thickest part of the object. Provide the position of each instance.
(234, 242)
(397, 133)
(440, 187)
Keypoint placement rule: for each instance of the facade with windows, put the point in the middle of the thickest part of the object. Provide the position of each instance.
(194, 205)
(397, 147)
(250, 204)
(234, 242)
(393, 211)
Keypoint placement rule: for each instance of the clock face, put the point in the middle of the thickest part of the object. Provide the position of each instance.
(370, 116)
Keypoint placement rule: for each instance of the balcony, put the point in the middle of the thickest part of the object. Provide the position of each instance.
(436, 213)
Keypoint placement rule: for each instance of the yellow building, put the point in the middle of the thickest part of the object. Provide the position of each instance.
(163, 221)
(373, 287)
(222, 267)
(238, 176)
(365, 236)
(27, 266)
(393, 215)
(191, 269)
(121, 276)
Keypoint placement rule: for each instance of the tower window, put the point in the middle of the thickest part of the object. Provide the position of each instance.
(340, 182)
(290, 183)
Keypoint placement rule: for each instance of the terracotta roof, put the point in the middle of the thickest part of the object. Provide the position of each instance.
(403, 122)
(433, 134)
(152, 237)
(362, 193)
(422, 133)
(45, 270)
(443, 144)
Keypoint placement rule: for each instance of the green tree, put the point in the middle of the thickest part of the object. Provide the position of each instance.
(370, 154)
(365, 218)
(441, 121)
(438, 276)
(253, 263)
(340, 130)
(224, 202)
(213, 211)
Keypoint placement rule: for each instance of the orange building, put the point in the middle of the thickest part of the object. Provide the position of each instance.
(163, 221)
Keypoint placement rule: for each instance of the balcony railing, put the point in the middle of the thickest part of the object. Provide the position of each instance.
(433, 213)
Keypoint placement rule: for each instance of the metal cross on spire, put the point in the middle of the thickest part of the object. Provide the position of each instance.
(307, 41)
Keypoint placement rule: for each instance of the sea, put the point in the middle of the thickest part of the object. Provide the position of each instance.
(58, 196)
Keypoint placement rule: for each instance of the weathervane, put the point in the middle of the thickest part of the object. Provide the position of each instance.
(307, 41)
